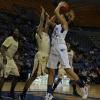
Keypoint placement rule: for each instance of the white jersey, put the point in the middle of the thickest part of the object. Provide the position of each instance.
(43, 42)
(58, 37)
(70, 56)
(12, 46)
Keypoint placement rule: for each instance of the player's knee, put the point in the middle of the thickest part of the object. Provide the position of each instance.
(68, 70)
(51, 72)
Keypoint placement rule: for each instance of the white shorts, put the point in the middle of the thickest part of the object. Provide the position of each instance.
(11, 68)
(40, 62)
(58, 53)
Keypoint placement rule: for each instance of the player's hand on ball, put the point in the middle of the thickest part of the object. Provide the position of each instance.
(64, 7)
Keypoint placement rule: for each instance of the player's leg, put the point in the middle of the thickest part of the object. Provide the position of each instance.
(56, 83)
(73, 84)
(30, 80)
(5, 74)
(49, 94)
(69, 70)
(27, 85)
(60, 73)
(78, 81)
(13, 85)
(15, 74)
(52, 65)
(2, 80)
(39, 71)
(74, 89)
(44, 64)
(43, 59)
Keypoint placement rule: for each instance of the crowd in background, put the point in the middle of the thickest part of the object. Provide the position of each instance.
(88, 58)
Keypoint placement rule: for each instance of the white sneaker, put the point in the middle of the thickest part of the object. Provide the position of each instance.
(85, 92)
(48, 96)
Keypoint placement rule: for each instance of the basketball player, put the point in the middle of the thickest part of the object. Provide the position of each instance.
(61, 71)
(59, 52)
(8, 50)
(41, 57)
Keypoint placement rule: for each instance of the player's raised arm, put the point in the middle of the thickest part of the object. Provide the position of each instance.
(40, 27)
(52, 21)
(61, 16)
(47, 23)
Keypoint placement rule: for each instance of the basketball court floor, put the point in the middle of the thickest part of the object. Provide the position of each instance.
(37, 90)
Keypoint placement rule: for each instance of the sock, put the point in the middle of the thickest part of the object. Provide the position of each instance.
(74, 87)
(56, 84)
(28, 83)
(71, 81)
(49, 90)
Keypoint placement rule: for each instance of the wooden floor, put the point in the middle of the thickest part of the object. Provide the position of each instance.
(94, 91)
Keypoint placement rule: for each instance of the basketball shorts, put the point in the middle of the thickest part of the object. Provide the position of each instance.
(58, 53)
(11, 68)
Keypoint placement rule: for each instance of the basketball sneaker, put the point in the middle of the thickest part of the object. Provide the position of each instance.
(85, 92)
(48, 96)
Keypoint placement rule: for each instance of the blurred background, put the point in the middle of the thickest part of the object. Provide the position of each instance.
(84, 33)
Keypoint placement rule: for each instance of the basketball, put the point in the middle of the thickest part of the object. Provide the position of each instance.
(64, 8)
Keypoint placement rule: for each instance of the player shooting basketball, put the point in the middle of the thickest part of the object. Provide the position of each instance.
(59, 51)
